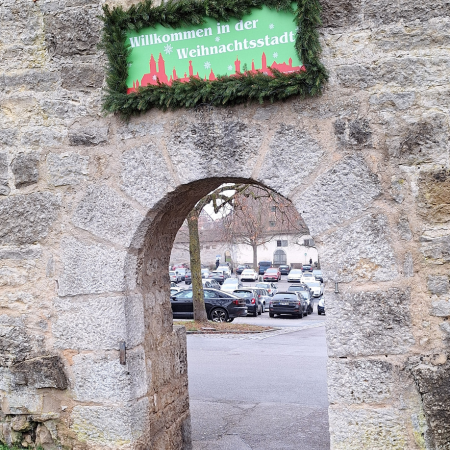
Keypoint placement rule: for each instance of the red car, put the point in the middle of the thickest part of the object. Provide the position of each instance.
(272, 274)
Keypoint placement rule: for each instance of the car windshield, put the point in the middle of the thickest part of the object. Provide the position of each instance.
(317, 272)
(243, 294)
(304, 294)
(218, 272)
(295, 288)
(271, 271)
(295, 271)
(248, 271)
(306, 275)
(263, 285)
(313, 284)
(230, 281)
(172, 273)
(284, 296)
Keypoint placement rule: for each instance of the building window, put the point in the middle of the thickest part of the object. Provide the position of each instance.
(272, 223)
(278, 243)
(282, 243)
(279, 257)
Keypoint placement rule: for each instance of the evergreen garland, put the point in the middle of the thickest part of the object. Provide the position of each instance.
(225, 90)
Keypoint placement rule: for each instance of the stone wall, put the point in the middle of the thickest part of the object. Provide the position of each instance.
(90, 207)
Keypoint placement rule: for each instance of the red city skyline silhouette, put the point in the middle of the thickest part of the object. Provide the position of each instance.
(160, 75)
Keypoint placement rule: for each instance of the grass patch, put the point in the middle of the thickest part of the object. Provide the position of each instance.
(221, 327)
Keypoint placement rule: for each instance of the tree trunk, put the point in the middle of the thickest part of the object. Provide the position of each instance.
(255, 258)
(196, 268)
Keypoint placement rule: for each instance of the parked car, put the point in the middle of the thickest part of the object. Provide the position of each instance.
(321, 306)
(309, 300)
(264, 300)
(219, 275)
(295, 275)
(210, 283)
(307, 276)
(174, 276)
(269, 287)
(205, 273)
(241, 268)
(307, 268)
(284, 269)
(263, 266)
(318, 274)
(173, 284)
(249, 275)
(288, 303)
(272, 274)
(220, 306)
(188, 277)
(316, 287)
(231, 284)
(182, 272)
(225, 268)
(254, 306)
(174, 291)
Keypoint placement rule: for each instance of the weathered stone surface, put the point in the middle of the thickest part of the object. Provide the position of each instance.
(437, 250)
(91, 269)
(102, 424)
(26, 219)
(15, 343)
(8, 136)
(353, 133)
(360, 381)
(37, 80)
(10, 276)
(40, 372)
(434, 196)
(359, 251)
(82, 76)
(393, 100)
(103, 212)
(369, 323)
(440, 308)
(25, 168)
(4, 189)
(438, 284)
(213, 146)
(133, 130)
(294, 149)
(67, 168)
(408, 266)
(43, 137)
(145, 175)
(433, 383)
(88, 136)
(22, 401)
(344, 192)
(337, 13)
(75, 32)
(404, 229)
(18, 253)
(98, 324)
(383, 428)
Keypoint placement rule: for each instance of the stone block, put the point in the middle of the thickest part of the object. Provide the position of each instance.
(345, 191)
(408, 266)
(26, 219)
(359, 251)
(360, 381)
(79, 77)
(404, 229)
(434, 196)
(97, 425)
(4, 189)
(145, 175)
(10, 276)
(367, 429)
(436, 250)
(107, 214)
(393, 100)
(369, 323)
(98, 324)
(438, 284)
(293, 155)
(100, 379)
(25, 168)
(215, 144)
(33, 79)
(64, 106)
(92, 269)
(336, 13)
(15, 343)
(133, 130)
(40, 372)
(8, 136)
(353, 133)
(19, 253)
(433, 381)
(87, 136)
(440, 308)
(73, 32)
(43, 137)
(22, 401)
(67, 168)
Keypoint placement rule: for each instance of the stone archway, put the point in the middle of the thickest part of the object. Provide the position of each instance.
(90, 205)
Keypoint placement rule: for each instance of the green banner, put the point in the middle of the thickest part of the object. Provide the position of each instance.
(261, 41)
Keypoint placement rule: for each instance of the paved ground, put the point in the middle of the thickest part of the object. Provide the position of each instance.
(261, 394)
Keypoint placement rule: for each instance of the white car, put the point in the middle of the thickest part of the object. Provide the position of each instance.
(231, 284)
(295, 275)
(174, 276)
(225, 269)
(316, 288)
(249, 275)
(307, 276)
(269, 287)
(174, 290)
(205, 273)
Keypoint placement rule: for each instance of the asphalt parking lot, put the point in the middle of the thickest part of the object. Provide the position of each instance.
(261, 392)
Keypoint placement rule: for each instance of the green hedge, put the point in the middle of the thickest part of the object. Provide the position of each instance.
(225, 90)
